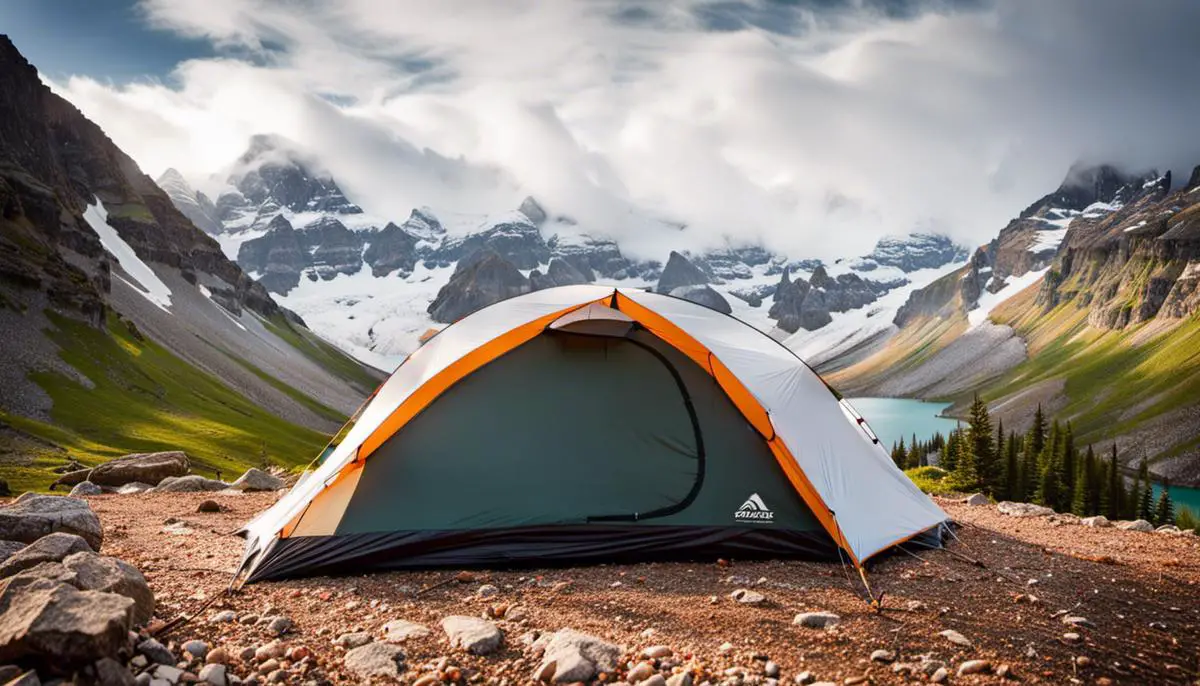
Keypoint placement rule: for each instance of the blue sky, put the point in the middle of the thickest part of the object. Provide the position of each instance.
(104, 39)
(815, 126)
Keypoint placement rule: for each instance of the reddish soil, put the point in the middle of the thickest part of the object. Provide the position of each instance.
(1138, 590)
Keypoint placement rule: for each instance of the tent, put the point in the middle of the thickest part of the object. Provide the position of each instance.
(593, 424)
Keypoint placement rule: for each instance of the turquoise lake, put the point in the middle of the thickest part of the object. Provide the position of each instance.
(896, 418)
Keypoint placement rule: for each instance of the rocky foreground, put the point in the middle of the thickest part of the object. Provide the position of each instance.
(1056, 602)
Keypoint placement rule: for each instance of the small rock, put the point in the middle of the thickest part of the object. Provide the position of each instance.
(771, 669)
(487, 591)
(353, 640)
(269, 666)
(655, 680)
(725, 648)
(1004, 671)
(640, 672)
(885, 656)
(680, 679)
(427, 680)
(976, 499)
(817, 620)
(974, 667)
(85, 488)
(1136, 525)
(1071, 637)
(571, 656)
(375, 660)
(1099, 521)
(748, 597)
(222, 617)
(956, 638)
(804, 678)
(656, 652)
(280, 625)
(196, 648)
(208, 506)
(257, 480)
(399, 631)
(472, 634)
(939, 676)
(54, 547)
(213, 673)
(33, 516)
(903, 668)
(110, 575)
(1023, 509)
(852, 680)
(1083, 661)
(156, 652)
(271, 651)
(1074, 620)
(217, 656)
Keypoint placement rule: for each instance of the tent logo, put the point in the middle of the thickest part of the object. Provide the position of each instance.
(755, 510)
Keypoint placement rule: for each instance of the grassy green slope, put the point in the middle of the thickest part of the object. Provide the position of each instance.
(1116, 381)
(330, 358)
(144, 398)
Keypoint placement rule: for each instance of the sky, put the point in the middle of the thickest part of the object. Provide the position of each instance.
(813, 126)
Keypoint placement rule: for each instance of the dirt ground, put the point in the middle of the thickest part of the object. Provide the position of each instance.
(1137, 591)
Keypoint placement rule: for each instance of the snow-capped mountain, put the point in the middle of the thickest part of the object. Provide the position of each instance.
(375, 286)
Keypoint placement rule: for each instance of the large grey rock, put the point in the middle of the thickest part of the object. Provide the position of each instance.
(1098, 521)
(50, 548)
(479, 280)
(193, 483)
(399, 631)
(147, 468)
(703, 295)
(108, 574)
(134, 488)
(46, 622)
(72, 478)
(472, 634)
(105, 672)
(577, 657)
(9, 548)
(85, 488)
(816, 620)
(375, 660)
(1023, 509)
(1136, 525)
(52, 571)
(33, 516)
(680, 272)
(976, 499)
(257, 480)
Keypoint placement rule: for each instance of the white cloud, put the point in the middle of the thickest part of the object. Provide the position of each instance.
(815, 130)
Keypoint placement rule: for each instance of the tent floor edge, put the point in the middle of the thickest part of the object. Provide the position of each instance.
(533, 547)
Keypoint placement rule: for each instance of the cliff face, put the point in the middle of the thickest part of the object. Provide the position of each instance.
(54, 163)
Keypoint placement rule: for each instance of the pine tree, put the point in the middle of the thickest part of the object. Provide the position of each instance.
(1037, 433)
(899, 453)
(1114, 504)
(1146, 496)
(1079, 504)
(950, 452)
(1013, 471)
(915, 452)
(1165, 512)
(1069, 467)
(1092, 480)
(979, 445)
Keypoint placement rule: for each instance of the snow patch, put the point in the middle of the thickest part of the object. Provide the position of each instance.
(1047, 241)
(147, 282)
(988, 301)
(1136, 226)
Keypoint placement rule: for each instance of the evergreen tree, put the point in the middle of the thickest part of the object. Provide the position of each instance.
(1030, 469)
(1093, 477)
(1012, 470)
(1165, 512)
(982, 450)
(1114, 489)
(1050, 489)
(1037, 433)
(1146, 496)
(950, 452)
(1079, 503)
(1132, 498)
(915, 452)
(899, 453)
(1069, 467)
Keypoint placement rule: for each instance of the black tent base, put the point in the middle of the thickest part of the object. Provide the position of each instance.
(539, 546)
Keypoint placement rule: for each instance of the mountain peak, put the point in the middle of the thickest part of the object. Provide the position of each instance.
(531, 209)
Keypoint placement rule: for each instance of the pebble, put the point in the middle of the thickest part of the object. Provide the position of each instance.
(213, 674)
(223, 616)
(156, 652)
(217, 656)
(1077, 621)
(209, 506)
(280, 625)
(641, 672)
(656, 680)
(939, 676)
(487, 591)
(1071, 637)
(269, 666)
(681, 679)
(804, 678)
(816, 620)
(196, 648)
(272, 650)
(1083, 661)
(748, 597)
(353, 640)
(1004, 671)
(427, 680)
(771, 669)
(956, 638)
(656, 652)
(249, 619)
(974, 667)
(851, 680)
(725, 648)
(903, 668)
(883, 656)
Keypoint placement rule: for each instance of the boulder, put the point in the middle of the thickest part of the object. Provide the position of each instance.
(193, 483)
(59, 626)
(976, 499)
(1096, 522)
(147, 468)
(703, 295)
(33, 516)
(53, 571)
(375, 660)
(8, 549)
(257, 480)
(105, 672)
(571, 656)
(1023, 509)
(84, 488)
(72, 478)
(110, 575)
(1136, 525)
(51, 548)
(472, 634)
(134, 488)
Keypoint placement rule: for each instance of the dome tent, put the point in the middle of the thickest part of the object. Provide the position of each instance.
(586, 424)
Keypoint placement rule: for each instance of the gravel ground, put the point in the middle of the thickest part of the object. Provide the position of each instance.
(1136, 590)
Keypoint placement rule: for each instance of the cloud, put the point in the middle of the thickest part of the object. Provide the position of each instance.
(816, 127)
